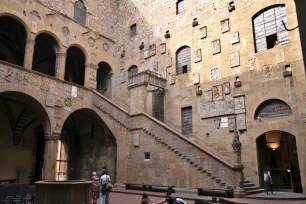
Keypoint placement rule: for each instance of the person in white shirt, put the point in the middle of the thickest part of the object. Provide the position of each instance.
(105, 178)
(268, 181)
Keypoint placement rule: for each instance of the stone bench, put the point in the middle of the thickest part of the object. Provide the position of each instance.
(149, 187)
(228, 193)
(8, 181)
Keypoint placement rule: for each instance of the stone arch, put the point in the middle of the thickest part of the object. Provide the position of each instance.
(44, 57)
(53, 35)
(272, 108)
(104, 79)
(75, 65)
(31, 103)
(17, 18)
(12, 39)
(80, 139)
(183, 60)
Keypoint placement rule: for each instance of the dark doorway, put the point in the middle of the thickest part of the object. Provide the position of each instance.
(158, 104)
(87, 145)
(75, 66)
(104, 79)
(12, 40)
(277, 151)
(39, 153)
(44, 59)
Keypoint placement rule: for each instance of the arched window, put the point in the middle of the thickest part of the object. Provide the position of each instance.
(133, 30)
(44, 54)
(183, 61)
(80, 12)
(12, 40)
(75, 66)
(132, 71)
(269, 30)
(180, 6)
(272, 108)
(104, 80)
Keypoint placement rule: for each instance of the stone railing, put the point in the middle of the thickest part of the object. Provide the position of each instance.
(147, 78)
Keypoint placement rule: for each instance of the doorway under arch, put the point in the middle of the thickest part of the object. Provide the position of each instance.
(12, 40)
(277, 151)
(87, 146)
(23, 124)
(104, 79)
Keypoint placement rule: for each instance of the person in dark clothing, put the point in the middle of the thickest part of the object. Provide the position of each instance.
(171, 200)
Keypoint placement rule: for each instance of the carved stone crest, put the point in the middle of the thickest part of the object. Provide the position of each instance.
(227, 88)
(169, 61)
(198, 57)
(136, 140)
(152, 49)
(207, 96)
(92, 79)
(235, 38)
(217, 123)
(146, 53)
(105, 46)
(217, 93)
(67, 104)
(225, 26)
(74, 91)
(50, 100)
(267, 71)
(91, 42)
(216, 46)
(231, 124)
(162, 48)
(203, 31)
(215, 74)
(280, 57)
(239, 104)
(155, 67)
(235, 59)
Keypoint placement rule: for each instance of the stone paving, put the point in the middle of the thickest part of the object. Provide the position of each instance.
(134, 197)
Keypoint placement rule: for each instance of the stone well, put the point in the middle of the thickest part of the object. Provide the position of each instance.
(63, 192)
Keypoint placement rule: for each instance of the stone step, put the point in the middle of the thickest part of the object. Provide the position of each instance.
(248, 184)
(251, 188)
(261, 190)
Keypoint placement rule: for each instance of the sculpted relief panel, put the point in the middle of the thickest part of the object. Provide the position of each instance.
(217, 108)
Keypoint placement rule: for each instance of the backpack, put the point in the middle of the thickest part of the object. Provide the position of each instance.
(180, 201)
(268, 179)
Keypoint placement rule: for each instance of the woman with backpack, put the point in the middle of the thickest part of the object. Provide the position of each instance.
(268, 181)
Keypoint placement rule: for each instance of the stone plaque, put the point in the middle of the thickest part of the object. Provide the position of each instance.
(146, 53)
(239, 104)
(74, 91)
(217, 123)
(152, 50)
(267, 71)
(273, 108)
(227, 88)
(50, 99)
(162, 48)
(216, 46)
(231, 124)
(241, 123)
(155, 67)
(207, 96)
(169, 61)
(280, 57)
(224, 122)
(198, 57)
(215, 74)
(225, 26)
(216, 108)
(235, 59)
(57, 113)
(196, 78)
(203, 31)
(136, 140)
(217, 93)
(235, 38)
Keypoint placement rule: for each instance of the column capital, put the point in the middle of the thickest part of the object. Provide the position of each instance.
(60, 54)
(91, 65)
(52, 136)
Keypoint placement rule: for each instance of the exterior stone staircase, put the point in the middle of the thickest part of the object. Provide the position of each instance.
(252, 188)
(20, 125)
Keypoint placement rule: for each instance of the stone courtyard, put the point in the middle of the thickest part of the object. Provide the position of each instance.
(185, 93)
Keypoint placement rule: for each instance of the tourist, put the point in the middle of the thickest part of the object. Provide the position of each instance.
(95, 187)
(145, 199)
(268, 181)
(172, 200)
(105, 179)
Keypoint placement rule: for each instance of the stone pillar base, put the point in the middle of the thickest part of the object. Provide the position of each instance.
(240, 193)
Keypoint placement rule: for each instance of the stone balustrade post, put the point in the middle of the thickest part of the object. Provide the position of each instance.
(29, 51)
(60, 65)
(239, 191)
(50, 155)
(91, 75)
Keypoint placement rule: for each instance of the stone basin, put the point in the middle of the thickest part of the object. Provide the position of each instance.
(63, 192)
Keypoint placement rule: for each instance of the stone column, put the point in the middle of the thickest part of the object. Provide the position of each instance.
(239, 192)
(29, 51)
(60, 65)
(91, 75)
(51, 149)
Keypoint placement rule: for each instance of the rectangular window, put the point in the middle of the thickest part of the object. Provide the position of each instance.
(180, 6)
(147, 155)
(187, 121)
